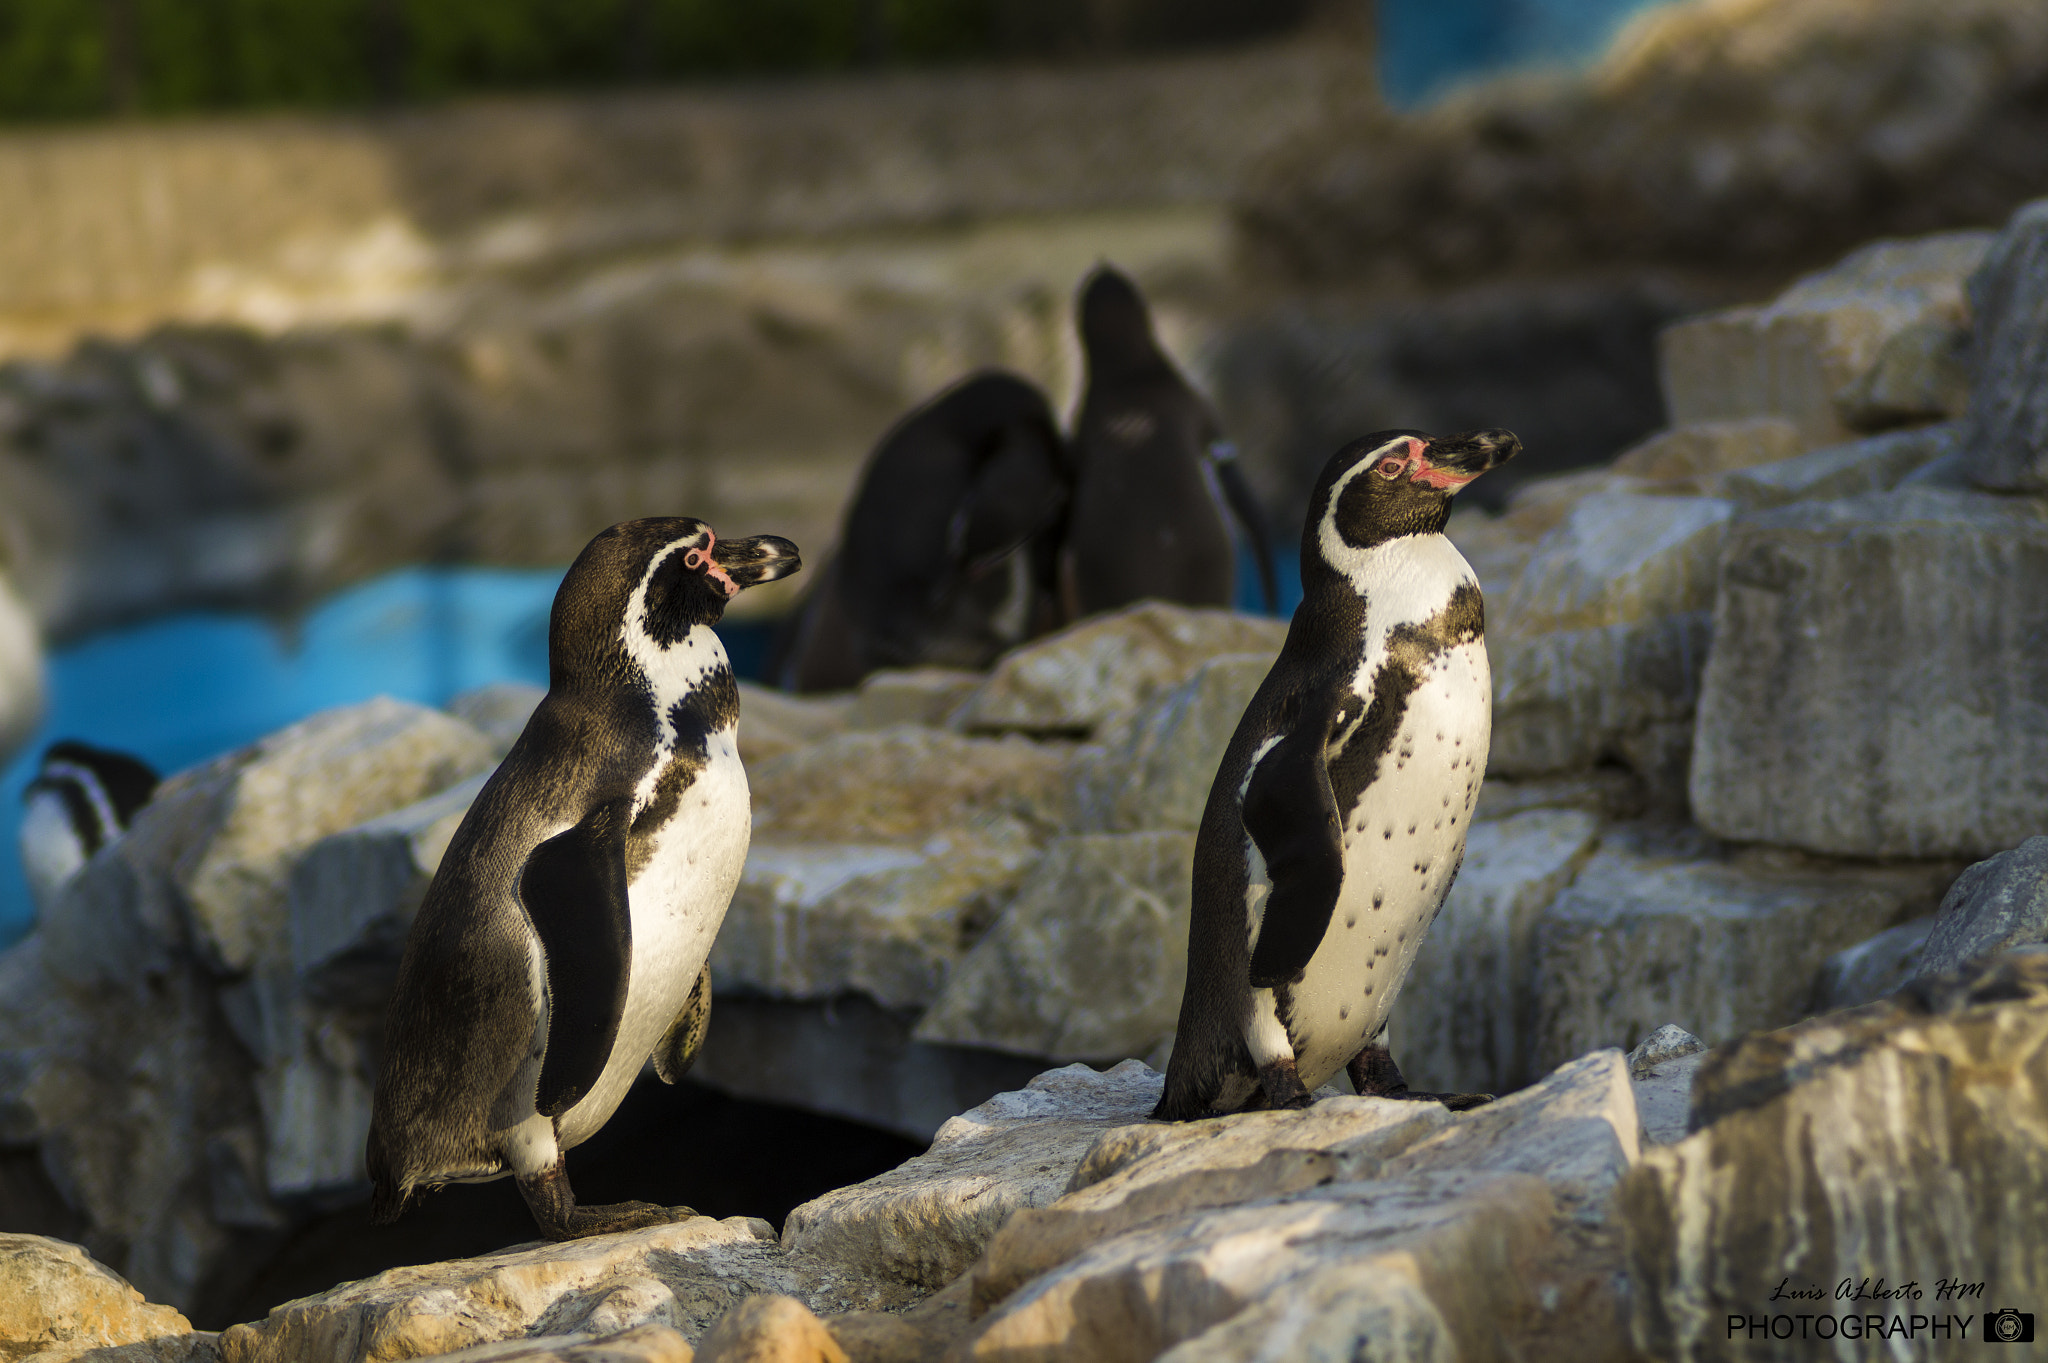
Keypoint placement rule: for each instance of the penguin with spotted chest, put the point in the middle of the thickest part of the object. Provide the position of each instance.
(1337, 819)
(563, 940)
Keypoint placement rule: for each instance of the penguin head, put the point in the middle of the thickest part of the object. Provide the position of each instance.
(654, 579)
(81, 799)
(1116, 329)
(1396, 483)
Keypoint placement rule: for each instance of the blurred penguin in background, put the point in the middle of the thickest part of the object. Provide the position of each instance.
(947, 554)
(81, 799)
(1153, 473)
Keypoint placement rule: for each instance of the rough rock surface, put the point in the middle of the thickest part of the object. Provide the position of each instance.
(773, 723)
(1696, 454)
(500, 710)
(1464, 1020)
(1072, 681)
(1651, 933)
(1087, 962)
(1661, 1071)
(1993, 906)
(904, 784)
(1874, 687)
(919, 695)
(2008, 425)
(1884, 1144)
(1871, 969)
(1152, 769)
(770, 1329)
(55, 1296)
(925, 1223)
(1876, 463)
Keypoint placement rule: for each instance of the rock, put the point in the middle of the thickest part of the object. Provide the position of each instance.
(500, 710)
(919, 695)
(1088, 961)
(54, 1296)
(682, 1276)
(904, 784)
(21, 672)
(1695, 455)
(1881, 1146)
(643, 1344)
(926, 1222)
(1072, 681)
(770, 1329)
(1667, 1043)
(1153, 768)
(814, 921)
(772, 723)
(1465, 1016)
(2007, 447)
(1873, 688)
(1664, 1098)
(1921, 373)
(1791, 357)
(1877, 463)
(1993, 906)
(1724, 945)
(1872, 968)
(1596, 651)
(1611, 791)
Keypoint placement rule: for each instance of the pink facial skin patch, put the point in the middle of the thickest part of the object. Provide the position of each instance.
(701, 558)
(1432, 475)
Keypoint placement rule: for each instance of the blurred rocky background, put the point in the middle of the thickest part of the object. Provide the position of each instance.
(1750, 923)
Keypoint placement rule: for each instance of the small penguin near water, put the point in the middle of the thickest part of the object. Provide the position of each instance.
(563, 940)
(81, 799)
(1153, 473)
(1337, 819)
(946, 555)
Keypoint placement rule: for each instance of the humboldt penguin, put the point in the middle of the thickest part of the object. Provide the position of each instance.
(1337, 819)
(81, 799)
(945, 558)
(562, 942)
(1153, 473)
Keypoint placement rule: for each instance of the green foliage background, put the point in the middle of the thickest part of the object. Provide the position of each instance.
(83, 58)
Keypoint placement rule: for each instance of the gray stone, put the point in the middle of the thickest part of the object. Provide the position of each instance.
(1920, 374)
(1993, 906)
(1072, 681)
(1465, 1016)
(1722, 945)
(920, 695)
(1664, 1097)
(1694, 457)
(1668, 1042)
(1597, 650)
(1876, 463)
(2007, 445)
(1887, 1143)
(21, 672)
(772, 723)
(1610, 791)
(1875, 688)
(1871, 969)
(500, 710)
(925, 1222)
(1087, 962)
(1153, 769)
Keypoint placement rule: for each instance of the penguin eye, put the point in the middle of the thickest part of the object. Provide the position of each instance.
(1391, 468)
(696, 558)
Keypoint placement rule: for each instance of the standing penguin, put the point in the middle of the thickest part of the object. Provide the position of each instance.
(946, 556)
(81, 799)
(1151, 467)
(563, 939)
(1337, 819)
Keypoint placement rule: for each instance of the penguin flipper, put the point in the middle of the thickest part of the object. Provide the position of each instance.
(678, 1047)
(1244, 505)
(1290, 811)
(574, 890)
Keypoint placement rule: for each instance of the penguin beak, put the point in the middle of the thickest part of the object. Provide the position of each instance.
(1450, 462)
(761, 558)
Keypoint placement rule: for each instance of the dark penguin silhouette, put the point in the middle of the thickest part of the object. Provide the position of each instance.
(562, 942)
(1153, 473)
(81, 799)
(946, 555)
(1337, 819)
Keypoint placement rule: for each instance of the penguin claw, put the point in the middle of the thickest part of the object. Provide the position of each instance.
(555, 1211)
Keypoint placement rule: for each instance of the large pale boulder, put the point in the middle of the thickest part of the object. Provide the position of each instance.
(54, 1296)
(1793, 356)
(817, 920)
(926, 1222)
(1087, 962)
(1993, 906)
(1596, 651)
(1875, 686)
(1875, 463)
(773, 722)
(1896, 1145)
(1070, 682)
(906, 783)
(1153, 768)
(1693, 458)
(1648, 935)
(2008, 426)
(1465, 1017)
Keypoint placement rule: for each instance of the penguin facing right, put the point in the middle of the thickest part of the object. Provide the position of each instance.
(945, 558)
(1153, 473)
(1337, 819)
(81, 799)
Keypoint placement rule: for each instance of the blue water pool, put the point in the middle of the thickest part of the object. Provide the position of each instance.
(1429, 46)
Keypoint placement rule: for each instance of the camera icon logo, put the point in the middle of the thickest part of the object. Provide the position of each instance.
(2009, 1326)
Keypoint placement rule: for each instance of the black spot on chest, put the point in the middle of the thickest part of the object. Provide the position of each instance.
(1354, 762)
(709, 706)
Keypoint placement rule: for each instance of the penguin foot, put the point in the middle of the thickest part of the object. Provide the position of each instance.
(1280, 1089)
(555, 1211)
(1456, 1102)
(1375, 1075)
